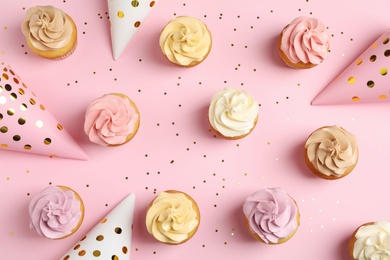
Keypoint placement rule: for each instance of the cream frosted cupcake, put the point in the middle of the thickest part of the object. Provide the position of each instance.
(331, 152)
(271, 215)
(185, 41)
(371, 241)
(173, 217)
(49, 32)
(56, 212)
(233, 113)
(304, 43)
(111, 120)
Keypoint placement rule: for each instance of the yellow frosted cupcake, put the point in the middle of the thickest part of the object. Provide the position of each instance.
(173, 217)
(233, 113)
(185, 41)
(50, 33)
(56, 212)
(331, 152)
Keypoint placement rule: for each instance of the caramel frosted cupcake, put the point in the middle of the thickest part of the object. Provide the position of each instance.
(185, 41)
(271, 215)
(173, 217)
(233, 113)
(56, 212)
(304, 43)
(49, 32)
(111, 120)
(370, 241)
(331, 152)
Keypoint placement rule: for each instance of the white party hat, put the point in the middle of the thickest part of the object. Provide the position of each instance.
(110, 238)
(126, 16)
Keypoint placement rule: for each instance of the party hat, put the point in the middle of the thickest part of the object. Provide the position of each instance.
(27, 126)
(365, 80)
(110, 238)
(126, 17)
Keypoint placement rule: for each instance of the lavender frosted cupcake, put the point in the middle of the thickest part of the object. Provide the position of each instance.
(271, 216)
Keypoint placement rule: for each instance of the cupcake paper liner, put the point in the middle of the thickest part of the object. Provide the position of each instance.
(27, 126)
(364, 80)
(126, 17)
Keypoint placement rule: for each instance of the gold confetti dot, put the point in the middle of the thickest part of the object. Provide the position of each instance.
(152, 3)
(59, 127)
(104, 220)
(383, 71)
(121, 14)
(385, 41)
(4, 145)
(382, 97)
(370, 84)
(42, 107)
(11, 233)
(374, 45)
(387, 53)
(137, 24)
(76, 247)
(118, 230)
(134, 3)
(359, 61)
(355, 98)
(82, 253)
(47, 141)
(351, 80)
(96, 253)
(373, 58)
(66, 257)
(27, 147)
(99, 238)
(114, 257)
(124, 250)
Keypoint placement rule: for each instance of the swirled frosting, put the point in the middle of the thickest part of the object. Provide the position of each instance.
(54, 212)
(185, 40)
(110, 119)
(332, 150)
(172, 218)
(47, 28)
(233, 112)
(372, 242)
(305, 40)
(272, 214)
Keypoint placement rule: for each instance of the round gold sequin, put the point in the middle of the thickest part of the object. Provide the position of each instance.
(383, 71)
(387, 53)
(16, 80)
(42, 107)
(13, 96)
(21, 121)
(32, 101)
(121, 14)
(96, 253)
(152, 3)
(359, 61)
(11, 111)
(83, 238)
(5, 76)
(1, 89)
(27, 147)
(386, 41)
(374, 45)
(4, 145)
(16, 138)
(21, 91)
(370, 84)
(137, 24)
(382, 97)
(4, 129)
(12, 72)
(118, 230)
(355, 99)
(351, 80)
(104, 220)
(114, 257)
(99, 238)
(82, 253)
(66, 257)
(47, 141)
(23, 107)
(59, 127)
(1, 116)
(134, 3)
(125, 250)
(8, 87)
(373, 58)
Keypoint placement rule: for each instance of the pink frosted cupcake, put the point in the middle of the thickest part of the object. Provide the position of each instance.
(111, 120)
(304, 43)
(271, 215)
(56, 212)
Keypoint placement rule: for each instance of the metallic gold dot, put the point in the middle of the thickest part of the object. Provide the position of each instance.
(47, 141)
(8, 87)
(121, 14)
(359, 61)
(118, 230)
(1, 89)
(39, 124)
(21, 121)
(382, 97)
(387, 53)
(4, 129)
(99, 238)
(12, 72)
(134, 3)
(23, 107)
(4, 145)
(59, 127)
(374, 45)
(16, 138)
(355, 99)
(1, 116)
(66, 257)
(383, 71)
(96, 253)
(104, 220)
(21, 91)
(27, 147)
(5, 76)
(16, 80)
(32, 101)
(82, 253)
(124, 250)
(351, 80)
(152, 3)
(11, 111)
(373, 58)
(13, 96)
(114, 257)
(370, 84)
(42, 107)
(385, 41)
(137, 24)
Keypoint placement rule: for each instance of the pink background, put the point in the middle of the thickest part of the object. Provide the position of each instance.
(174, 148)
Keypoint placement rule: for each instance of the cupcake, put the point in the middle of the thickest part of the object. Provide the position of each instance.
(111, 120)
(49, 32)
(173, 217)
(271, 216)
(331, 152)
(56, 212)
(233, 113)
(185, 41)
(370, 241)
(304, 43)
